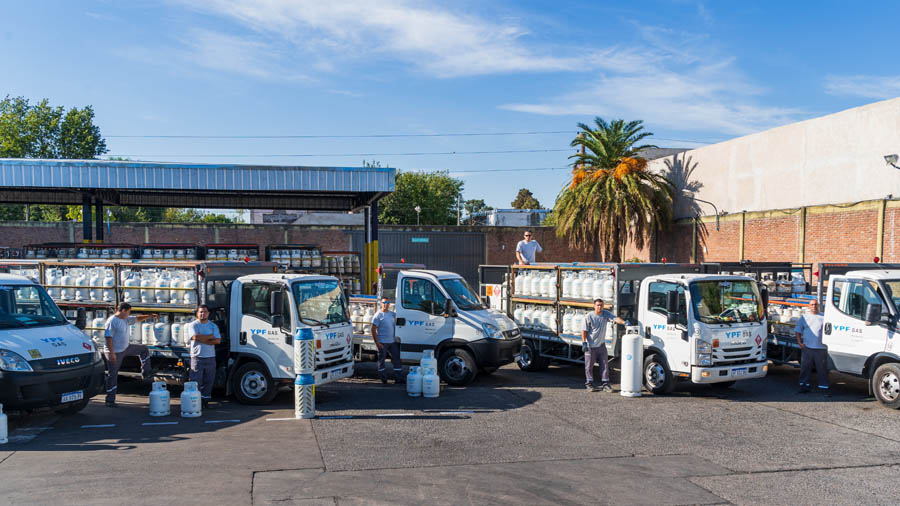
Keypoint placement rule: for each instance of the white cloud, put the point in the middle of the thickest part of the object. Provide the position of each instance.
(866, 86)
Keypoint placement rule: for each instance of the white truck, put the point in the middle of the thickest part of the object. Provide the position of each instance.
(45, 361)
(437, 310)
(860, 328)
(696, 326)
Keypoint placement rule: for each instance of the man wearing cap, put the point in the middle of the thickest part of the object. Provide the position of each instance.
(527, 249)
(812, 351)
(593, 342)
(384, 325)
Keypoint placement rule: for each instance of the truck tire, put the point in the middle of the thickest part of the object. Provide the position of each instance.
(457, 367)
(252, 384)
(886, 385)
(73, 408)
(657, 376)
(529, 360)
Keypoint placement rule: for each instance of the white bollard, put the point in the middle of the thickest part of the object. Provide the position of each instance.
(305, 396)
(304, 352)
(3, 427)
(190, 401)
(632, 363)
(159, 399)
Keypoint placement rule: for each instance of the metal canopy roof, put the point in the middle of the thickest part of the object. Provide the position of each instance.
(155, 184)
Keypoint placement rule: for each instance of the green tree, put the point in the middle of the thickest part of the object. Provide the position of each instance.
(473, 208)
(613, 197)
(434, 192)
(191, 215)
(525, 200)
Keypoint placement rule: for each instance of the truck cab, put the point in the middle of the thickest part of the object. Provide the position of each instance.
(265, 312)
(437, 310)
(861, 328)
(45, 361)
(701, 328)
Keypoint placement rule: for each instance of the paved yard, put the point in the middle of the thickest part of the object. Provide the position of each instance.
(511, 438)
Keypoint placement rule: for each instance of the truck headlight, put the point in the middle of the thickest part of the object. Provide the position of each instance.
(10, 361)
(703, 347)
(705, 360)
(491, 331)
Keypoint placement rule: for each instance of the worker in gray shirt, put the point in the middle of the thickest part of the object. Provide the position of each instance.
(527, 249)
(384, 325)
(593, 342)
(812, 351)
(118, 349)
(203, 335)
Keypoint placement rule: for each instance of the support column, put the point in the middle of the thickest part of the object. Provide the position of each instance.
(879, 241)
(86, 235)
(373, 250)
(743, 221)
(694, 241)
(98, 219)
(366, 257)
(802, 245)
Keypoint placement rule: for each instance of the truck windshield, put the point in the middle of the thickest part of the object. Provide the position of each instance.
(320, 302)
(27, 306)
(462, 295)
(892, 287)
(726, 301)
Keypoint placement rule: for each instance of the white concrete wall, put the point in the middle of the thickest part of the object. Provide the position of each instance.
(833, 159)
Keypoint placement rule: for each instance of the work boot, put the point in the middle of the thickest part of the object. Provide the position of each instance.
(591, 388)
(606, 388)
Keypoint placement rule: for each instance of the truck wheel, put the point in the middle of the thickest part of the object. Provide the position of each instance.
(529, 360)
(252, 384)
(657, 376)
(457, 367)
(73, 408)
(886, 385)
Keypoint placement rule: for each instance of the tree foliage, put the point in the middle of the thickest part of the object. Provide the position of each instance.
(613, 198)
(434, 192)
(41, 131)
(525, 200)
(474, 208)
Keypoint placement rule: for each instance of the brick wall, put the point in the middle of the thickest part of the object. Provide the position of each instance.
(773, 238)
(842, 236)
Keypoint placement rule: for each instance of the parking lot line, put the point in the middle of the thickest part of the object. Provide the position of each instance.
(98, 426)
(221, 421)
(160, 423)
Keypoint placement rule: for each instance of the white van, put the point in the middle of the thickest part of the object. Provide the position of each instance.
(45, 361)
(438, 310)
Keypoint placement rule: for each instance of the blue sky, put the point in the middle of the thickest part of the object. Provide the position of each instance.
(695, 72)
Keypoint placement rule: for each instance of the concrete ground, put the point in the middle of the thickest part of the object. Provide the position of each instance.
(510, 438)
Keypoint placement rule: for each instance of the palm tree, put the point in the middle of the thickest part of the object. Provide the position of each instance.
(613, 197)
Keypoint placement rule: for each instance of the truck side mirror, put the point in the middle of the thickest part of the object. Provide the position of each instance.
(449, 310)
(81, 318)
(671, 318)
(873, 314)
(672, 302)
(276, 301)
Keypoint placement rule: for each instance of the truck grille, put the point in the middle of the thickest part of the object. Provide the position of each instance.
(334, 356)
(735, 355)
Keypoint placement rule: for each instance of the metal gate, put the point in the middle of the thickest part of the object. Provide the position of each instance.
(459, 252)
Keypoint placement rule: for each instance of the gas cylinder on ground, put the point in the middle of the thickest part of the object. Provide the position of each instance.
(431, 383)
(190, 400)
(414, 382)
(4, 438)
(159, 399)
(632, 363)
(427, 361)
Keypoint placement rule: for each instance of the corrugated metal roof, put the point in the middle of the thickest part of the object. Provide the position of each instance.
(192, 185)
(127, 175)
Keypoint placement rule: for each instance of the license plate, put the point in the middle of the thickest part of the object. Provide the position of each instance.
(739, 372)
(72, 396)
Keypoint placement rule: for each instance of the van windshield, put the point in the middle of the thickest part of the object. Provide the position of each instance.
(726, 301)
(462, 295)
(320, 302)
(27, 306)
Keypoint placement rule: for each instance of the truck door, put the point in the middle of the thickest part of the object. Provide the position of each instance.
(849, 340)
(666, 337)
(257, 334)
(421, 303)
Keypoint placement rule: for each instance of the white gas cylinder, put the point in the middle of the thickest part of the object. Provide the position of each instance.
(527, 316)
(587, 285)
(97, 324)
(65, 280)
(96, 293)
(798, 284)
(134, 333)
(518, 315)
(4, 428)
(535, 284)
(567, 321)
(305, 259)
(81, 283)
(577, 323)
(316, 259)
(146, 288)
(129, 294)
(355, 316)
(545, 285)
(431, 383)
(190, 295)
(575, 290)
(159, 399)
(109, 285)
(597, 286)
(367, 317)
(178, 333)
(162, 334)
(609, 288)
(547, 320)
(147, 336)
(520, 282)
(414, 382)
(427, 361)
(551, 287)
(632, 363)
(162, 289)
(190, 400)
(175, 296)
(52, 281)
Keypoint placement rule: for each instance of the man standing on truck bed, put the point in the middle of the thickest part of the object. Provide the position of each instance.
(593, 342)
(118, 348)
(527, 249)
(383, 333)
(204, 336)
(812, 351)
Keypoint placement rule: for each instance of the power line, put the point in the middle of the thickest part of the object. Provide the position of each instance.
(350, 136)
(421, 153)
